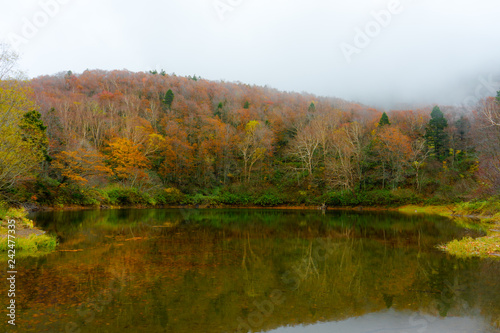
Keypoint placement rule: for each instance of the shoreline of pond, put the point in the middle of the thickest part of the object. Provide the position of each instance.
(487, 246)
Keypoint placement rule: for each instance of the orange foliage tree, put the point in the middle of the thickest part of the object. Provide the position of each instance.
(127, 161)
(175, 155)
(81, 166)
(394, 150)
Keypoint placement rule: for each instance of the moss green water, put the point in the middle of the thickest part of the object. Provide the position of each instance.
(242, 270)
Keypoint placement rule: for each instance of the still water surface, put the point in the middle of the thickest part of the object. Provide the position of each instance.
(281, 271)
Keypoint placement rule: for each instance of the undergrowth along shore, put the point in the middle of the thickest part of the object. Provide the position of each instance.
(29, 241)
(59, 197)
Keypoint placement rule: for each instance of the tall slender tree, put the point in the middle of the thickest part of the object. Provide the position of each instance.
(168, 99)
(435, 135)
(34, 132)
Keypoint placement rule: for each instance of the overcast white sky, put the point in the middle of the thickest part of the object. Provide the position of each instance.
(427, 50)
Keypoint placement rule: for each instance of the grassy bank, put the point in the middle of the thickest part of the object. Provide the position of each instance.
(488, 246)
(488, 214)
(482, 214)
(29, 241)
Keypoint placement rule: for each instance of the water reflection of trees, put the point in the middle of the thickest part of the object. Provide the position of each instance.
(203, 270)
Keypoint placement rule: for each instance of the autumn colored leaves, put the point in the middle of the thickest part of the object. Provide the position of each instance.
(152, 131)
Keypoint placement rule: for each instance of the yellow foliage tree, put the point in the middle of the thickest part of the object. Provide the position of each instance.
(127, 161)
(254, 143)
(18, 156)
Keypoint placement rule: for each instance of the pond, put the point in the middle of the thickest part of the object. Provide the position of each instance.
(197, 270)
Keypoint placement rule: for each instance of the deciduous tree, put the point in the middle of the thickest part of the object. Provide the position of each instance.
(345, 166)
(21, 148)
(490, 110)
(305, 146)
(82, 167)
(393, 150)
(255, 141)
(127, 161)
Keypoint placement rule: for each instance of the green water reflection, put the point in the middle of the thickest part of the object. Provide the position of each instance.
(241, 270)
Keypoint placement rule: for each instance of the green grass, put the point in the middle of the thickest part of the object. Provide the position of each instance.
(10, 213)
(488, 210)
(489, 213)
(18, 214)
(484, 208)
(438, 210)
(488, 246)
(31, 246)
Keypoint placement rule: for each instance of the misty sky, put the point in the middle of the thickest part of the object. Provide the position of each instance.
(419, 51)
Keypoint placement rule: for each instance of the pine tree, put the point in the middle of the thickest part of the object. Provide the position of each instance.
(312, 107)
(169, 98)
(218, 111)
(435, 135)
(246, 105)
(384, 120)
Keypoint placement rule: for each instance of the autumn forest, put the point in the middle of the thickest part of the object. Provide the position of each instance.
(121, 138)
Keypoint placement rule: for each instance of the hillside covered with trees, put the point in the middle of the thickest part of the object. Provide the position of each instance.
(124, 138)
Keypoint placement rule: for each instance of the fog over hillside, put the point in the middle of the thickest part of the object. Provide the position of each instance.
(386, 53)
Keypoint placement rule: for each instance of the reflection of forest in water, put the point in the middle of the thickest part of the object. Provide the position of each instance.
(215, 270)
